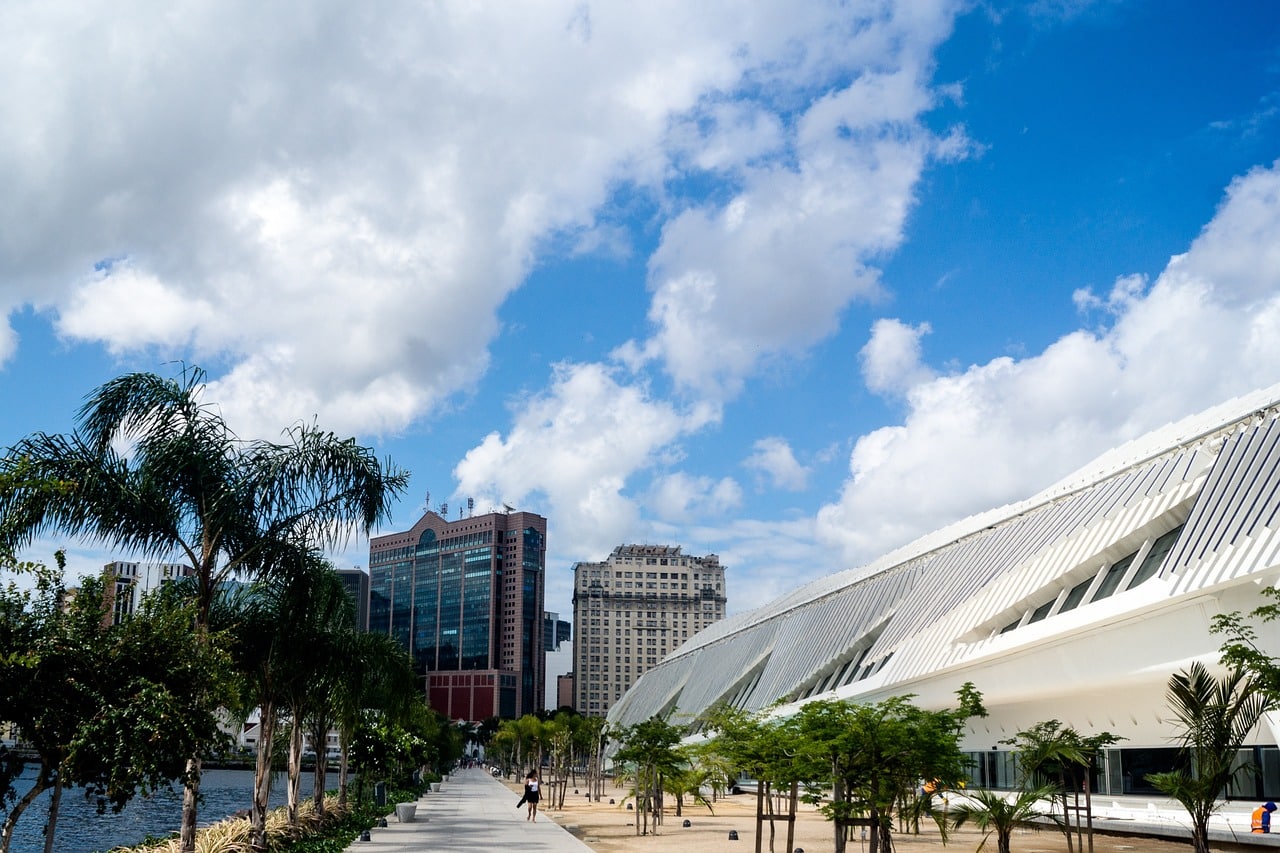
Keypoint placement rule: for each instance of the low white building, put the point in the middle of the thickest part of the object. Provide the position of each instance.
(1077, 604)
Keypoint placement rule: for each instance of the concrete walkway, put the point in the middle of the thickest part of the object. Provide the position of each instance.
(472, 811)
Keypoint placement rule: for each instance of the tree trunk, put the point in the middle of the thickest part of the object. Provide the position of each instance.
(41, 785)
(321, 773)
(1003, 837)
(262, 778)
(837, 799)
(55, 800)
(295, 770)
(190, 806)
(344, 743)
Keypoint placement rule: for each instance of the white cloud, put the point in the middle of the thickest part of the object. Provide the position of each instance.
(891, 360)
(575, 447)
(318, 196)
(683, 497)
(1206, 330)
(774, 458)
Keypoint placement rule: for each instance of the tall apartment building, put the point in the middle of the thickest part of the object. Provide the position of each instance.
(127, 583)
(631, 610)
(465, 598)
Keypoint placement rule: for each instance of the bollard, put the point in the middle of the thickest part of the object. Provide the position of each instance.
(611, 801)
(687, 823)
(364, 836)
(733, 835)
(382, 823)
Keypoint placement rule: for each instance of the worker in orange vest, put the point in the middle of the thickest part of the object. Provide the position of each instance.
(1262, 817)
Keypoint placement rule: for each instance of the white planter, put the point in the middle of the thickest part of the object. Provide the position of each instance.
(406, 812)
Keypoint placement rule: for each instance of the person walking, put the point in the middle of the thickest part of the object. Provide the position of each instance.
(532, 795)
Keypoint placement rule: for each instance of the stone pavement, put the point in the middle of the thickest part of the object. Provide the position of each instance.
(472, 811)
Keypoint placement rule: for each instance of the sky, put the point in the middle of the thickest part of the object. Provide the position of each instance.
(788, 283)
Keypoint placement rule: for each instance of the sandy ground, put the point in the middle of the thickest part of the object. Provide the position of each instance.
(610, 828)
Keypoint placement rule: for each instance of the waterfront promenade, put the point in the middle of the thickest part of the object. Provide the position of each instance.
(474, 812)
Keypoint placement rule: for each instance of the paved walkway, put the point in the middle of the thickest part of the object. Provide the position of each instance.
(472, 811)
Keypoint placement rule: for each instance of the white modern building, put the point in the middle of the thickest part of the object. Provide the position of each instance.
(1077, 604)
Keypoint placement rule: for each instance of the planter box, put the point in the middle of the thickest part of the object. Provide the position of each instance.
(406, 812)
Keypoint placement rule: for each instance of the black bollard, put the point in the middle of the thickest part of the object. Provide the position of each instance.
(733, 835)
(628, 806)
(687, 822)
(364, 836)
(611, 801)
(382, 823)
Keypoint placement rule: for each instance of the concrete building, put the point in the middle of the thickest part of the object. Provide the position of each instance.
(564, 690)
(1076, 605)
(631, 611)
(127, 583)
(465, 598)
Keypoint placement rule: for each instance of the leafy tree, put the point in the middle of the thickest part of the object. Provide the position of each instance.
(1241, 650)
(155, 471)
(872, 755)
(650, 750)
(763, 750)
(1049, 754)
(102, 705)
(1214, 716)
(994, 813)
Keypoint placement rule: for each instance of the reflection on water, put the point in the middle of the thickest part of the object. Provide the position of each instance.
(82, 830)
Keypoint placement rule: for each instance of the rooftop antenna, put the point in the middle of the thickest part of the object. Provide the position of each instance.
(444, 510)
(471, 506)
(426, 502)
(508, 507)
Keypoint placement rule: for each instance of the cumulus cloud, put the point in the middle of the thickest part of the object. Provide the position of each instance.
(1208, 328)
(891, 359)
(680, 496)
(319, 196)
(574, 447)
(767, 273)
(773, 458)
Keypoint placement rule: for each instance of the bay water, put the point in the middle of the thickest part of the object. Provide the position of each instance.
(82, 830)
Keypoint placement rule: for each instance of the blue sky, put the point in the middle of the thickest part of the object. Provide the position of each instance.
(793, 285)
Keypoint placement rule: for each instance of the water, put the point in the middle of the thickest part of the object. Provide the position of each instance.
(82, 830)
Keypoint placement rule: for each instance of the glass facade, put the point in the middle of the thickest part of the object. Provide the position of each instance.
(448, 600)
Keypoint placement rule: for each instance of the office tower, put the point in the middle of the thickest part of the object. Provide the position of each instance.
(633, 609)
(356, 583)
(126, 583)
(554, 631)
(465, 598)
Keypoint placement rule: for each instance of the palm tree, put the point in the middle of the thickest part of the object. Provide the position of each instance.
(156, 472)
(1214, 716)
(378, 673)
(992, 812)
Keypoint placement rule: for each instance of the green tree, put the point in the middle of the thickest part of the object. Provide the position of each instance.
(1241, 649)
(762, 749)
(1213, 716)
(83, 690)
(1049, 754)
(995, 813)
(872, 755)
(153, 470)
(649, 751)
